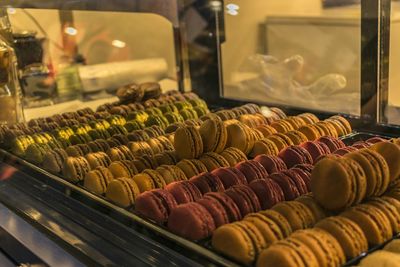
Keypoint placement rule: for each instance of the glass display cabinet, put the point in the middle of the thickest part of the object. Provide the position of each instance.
(325, 57)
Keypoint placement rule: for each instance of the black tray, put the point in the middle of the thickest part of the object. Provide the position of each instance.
(201, 250)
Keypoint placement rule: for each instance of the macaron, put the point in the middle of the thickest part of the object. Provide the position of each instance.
(75, 169)
(122, 169)
(252, 170)
(264, 147)
(78, 150)
(316, 149)
(230, 176)
(191, 167)
(213, 161)
(316, 209)
(391, 153)
(390, 209)
(303, 171)
(97, 180)
(324, 246)
(326, 129)
(54, 160)
(349, 235)
(293, 155)
(381, 258)
(120, 153)
(36, 152)
(229, 205)
(266, 130)
(239, 137)
(296, 137)
(98, 159)
(348, 187)
(99, 145)
(184, 191)
(214, 135)
(122, 191)
(233, 156)
(207, 182)
(155, 205)
(246, 200)
(149, 179)
(279, 220)
(268, 192)
(271, 164)
(171, 173)
(216, 209)
(344, 122)
(166, 158)
(282, 126)
(332, 143)
(373, 222)
(140, 148)
(310, 131)
(241, 241)
(297, 214)
(188, 143)
(281, 141)
(287, 184)
(308, 118)
(288, 252)
(145, 162)
(191, 221)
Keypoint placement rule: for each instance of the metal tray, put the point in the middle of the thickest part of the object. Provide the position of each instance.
(201, 250)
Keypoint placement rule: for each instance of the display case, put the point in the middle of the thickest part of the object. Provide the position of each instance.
(324, 57)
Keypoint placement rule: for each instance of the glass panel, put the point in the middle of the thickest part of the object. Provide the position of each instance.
(392, 112)
(303, 54)
(75, 59)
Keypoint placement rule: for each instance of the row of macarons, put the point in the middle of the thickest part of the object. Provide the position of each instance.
(73, 119)
(214, 135)
(83, 133)
(281, 184)
(112, 129)
(208, 162)
(359, 173)
(291, 183)
(301, 238)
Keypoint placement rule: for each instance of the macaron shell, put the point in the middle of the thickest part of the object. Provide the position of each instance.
(349, 235)
(214, 135)
(155, 205)
(241, 241)
(332, 195)
(391, 153)
(144, 182)
(375, 225)
(191, 221)
(122, 191)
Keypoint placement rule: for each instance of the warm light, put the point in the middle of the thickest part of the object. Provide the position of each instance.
(232, 12)
(232, 9)
(11, 11)
(118, 43)
(215, 5)
(71, 31)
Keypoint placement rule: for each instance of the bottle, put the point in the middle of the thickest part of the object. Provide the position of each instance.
(11, 110)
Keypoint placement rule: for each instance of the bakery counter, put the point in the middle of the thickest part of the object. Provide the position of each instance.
(56, 228)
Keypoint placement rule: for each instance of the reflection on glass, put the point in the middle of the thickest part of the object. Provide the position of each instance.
(296, 53)
(83, 57)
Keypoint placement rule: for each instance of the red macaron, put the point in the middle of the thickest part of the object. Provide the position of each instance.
(230, 176)
(316, 149)
(344, 150)
(332, 143)
(288, 186)
(268, 192)
(184, 191)
(293, 155)
(216, 209)
(252, 170)
(207, 182)
(155, 205)
(230, 206)
(246, 200)
(271, 163)
(191, 221)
